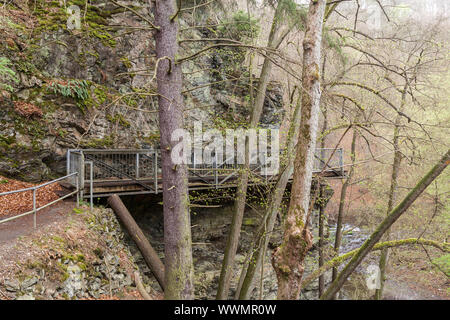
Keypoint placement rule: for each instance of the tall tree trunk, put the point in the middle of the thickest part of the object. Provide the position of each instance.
(263, 235)
(321, 238)
(321, 191)
(241, 191)
(386, 224)
(338, 237)
(289, 257)
(392, 195)
(177, 224)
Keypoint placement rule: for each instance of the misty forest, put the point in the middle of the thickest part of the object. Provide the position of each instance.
(224, 150)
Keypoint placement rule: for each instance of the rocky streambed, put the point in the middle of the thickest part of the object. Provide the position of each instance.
(209, 233)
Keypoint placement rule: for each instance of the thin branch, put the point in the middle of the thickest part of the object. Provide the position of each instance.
(137, 13)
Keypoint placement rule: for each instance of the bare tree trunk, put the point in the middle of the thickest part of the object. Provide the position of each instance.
(321, 238)
(386, 224)
(241, 191)
(338, 237)
(392, 198)
(148, 253)
(177, 224)
(233, 238)
(321, 195)
(263, 235)
(289, 257)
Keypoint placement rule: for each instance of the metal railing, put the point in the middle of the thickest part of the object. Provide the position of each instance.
(329, 159)
(104, 165)
(142, 167)
(36, 209)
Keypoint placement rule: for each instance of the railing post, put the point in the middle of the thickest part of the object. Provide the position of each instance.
(265, 166)
(77, 181)
(155, 173)
(34, 208)
(215, 170)
(137, 165)
(81, 177)
(68, 162)
(322, 160)
(194, 161)
(91, 182)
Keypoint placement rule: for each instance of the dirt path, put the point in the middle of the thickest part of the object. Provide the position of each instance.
(12, 230)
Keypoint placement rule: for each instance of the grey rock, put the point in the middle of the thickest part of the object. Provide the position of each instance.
(74, 284)
(29, 282)
(12, 285)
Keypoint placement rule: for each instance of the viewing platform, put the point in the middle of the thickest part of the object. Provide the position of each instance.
(138, 171)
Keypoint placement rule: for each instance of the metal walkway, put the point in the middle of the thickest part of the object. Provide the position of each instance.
(104, 172)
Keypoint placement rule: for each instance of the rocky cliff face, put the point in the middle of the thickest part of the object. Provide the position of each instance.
(92, 88)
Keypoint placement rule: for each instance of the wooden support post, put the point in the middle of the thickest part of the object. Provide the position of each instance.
(147, 251)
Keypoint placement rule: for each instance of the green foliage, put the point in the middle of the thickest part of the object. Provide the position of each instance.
(335, 43)
(240, 27)
(6, 74)
(77, 89)
(52, 16)
(292, 14)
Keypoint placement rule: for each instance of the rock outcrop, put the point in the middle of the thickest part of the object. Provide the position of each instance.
(92, 88)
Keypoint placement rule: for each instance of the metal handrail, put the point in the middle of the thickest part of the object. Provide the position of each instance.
(128, 164)
(39, 186)
(111, 168)
(35, 210)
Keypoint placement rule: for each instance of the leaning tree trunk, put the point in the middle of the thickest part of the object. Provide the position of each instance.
(340, 218)
(148, 253)
(385, 225)
(289, 257)
(336, 261)
(241, 191)
(177, 225)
